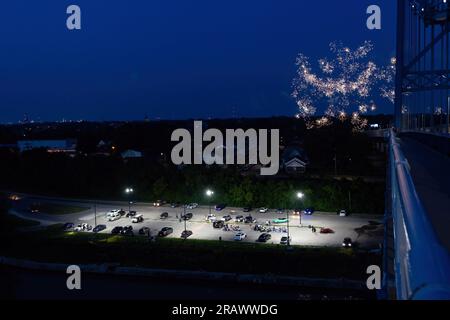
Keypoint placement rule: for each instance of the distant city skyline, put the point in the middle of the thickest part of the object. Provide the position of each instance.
(177, 60)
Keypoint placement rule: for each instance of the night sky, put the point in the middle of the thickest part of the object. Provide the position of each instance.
(170, 59)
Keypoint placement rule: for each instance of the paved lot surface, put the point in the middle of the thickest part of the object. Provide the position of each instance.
(300, 233)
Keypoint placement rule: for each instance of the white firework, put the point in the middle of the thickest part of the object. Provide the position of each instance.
(345, 82)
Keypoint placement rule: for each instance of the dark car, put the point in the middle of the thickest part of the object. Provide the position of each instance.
(122, 212)
(219, 224)
(67, 226)
(264, 237)
(164, 215)
(326, 231)
(116, 230)
(249, 219)
(127, 231)
(247, 209)
(239, 219)
(159, 203)
(220, 207)
(165, 232)
(99, 227)
(131, 214)
(347, 243)
(309, 211)
(174, 204)
(144, 230)
(186, 234)
(280, 211)
(187, 216)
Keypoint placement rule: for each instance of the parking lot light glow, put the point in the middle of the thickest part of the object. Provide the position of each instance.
(209, 193)
(300, 195)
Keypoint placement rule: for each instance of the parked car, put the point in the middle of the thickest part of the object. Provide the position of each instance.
(122, 212)
(186, 234)
(186, 217)
(174, 204)
(285, 240)
(165, 232)
(83, 227)
(131, 214)
(220, 207)
(309, 211)
(264, 237)
(98, 228)
(326, 230)
(239, 219)
(191, 206)
(347, 243)
(249, 219)
(263, 210)
(127, 231)
(247, 209)
(144, 230)
(67, 226)
(219, 224)
(164, 215)
(226, 218)
(159, 203)
(280, 211)
(343, 213)
(138, 218)
(211, 217)
(114, 217)
(116, 230)
(280, 220)
(240, 236)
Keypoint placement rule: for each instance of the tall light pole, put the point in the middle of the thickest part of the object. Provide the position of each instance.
(300, 196)
(95, 215)
(209, 194)
(129, 191)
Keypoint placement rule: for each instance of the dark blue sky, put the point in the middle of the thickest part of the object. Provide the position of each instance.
(170, 58)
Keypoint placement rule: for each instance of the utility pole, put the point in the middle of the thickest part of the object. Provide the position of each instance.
(288, 234)
(95, 214)
(350, 200)
(335, 164)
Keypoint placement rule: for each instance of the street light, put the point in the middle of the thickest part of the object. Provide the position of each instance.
(300, 196)
(129, 191)
(209, 194)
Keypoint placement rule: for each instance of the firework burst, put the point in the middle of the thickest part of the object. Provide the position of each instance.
(345, 84)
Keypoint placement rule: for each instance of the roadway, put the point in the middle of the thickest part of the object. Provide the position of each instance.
(300, 233)
(430, 171)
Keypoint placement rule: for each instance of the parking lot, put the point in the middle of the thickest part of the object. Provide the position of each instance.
(300, 233)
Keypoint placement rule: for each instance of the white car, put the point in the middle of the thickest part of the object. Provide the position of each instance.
(240, 236)
(114, 217)
(137, 218)
(191, 206)
(211, 218)
(263, 210)
(343, 213)
(82, 227)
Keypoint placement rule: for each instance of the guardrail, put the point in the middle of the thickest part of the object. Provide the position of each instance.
(422, 264)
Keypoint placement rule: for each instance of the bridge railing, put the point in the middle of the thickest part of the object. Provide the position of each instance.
(422, 264)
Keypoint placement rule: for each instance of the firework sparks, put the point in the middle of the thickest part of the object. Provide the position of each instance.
(346, 81)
